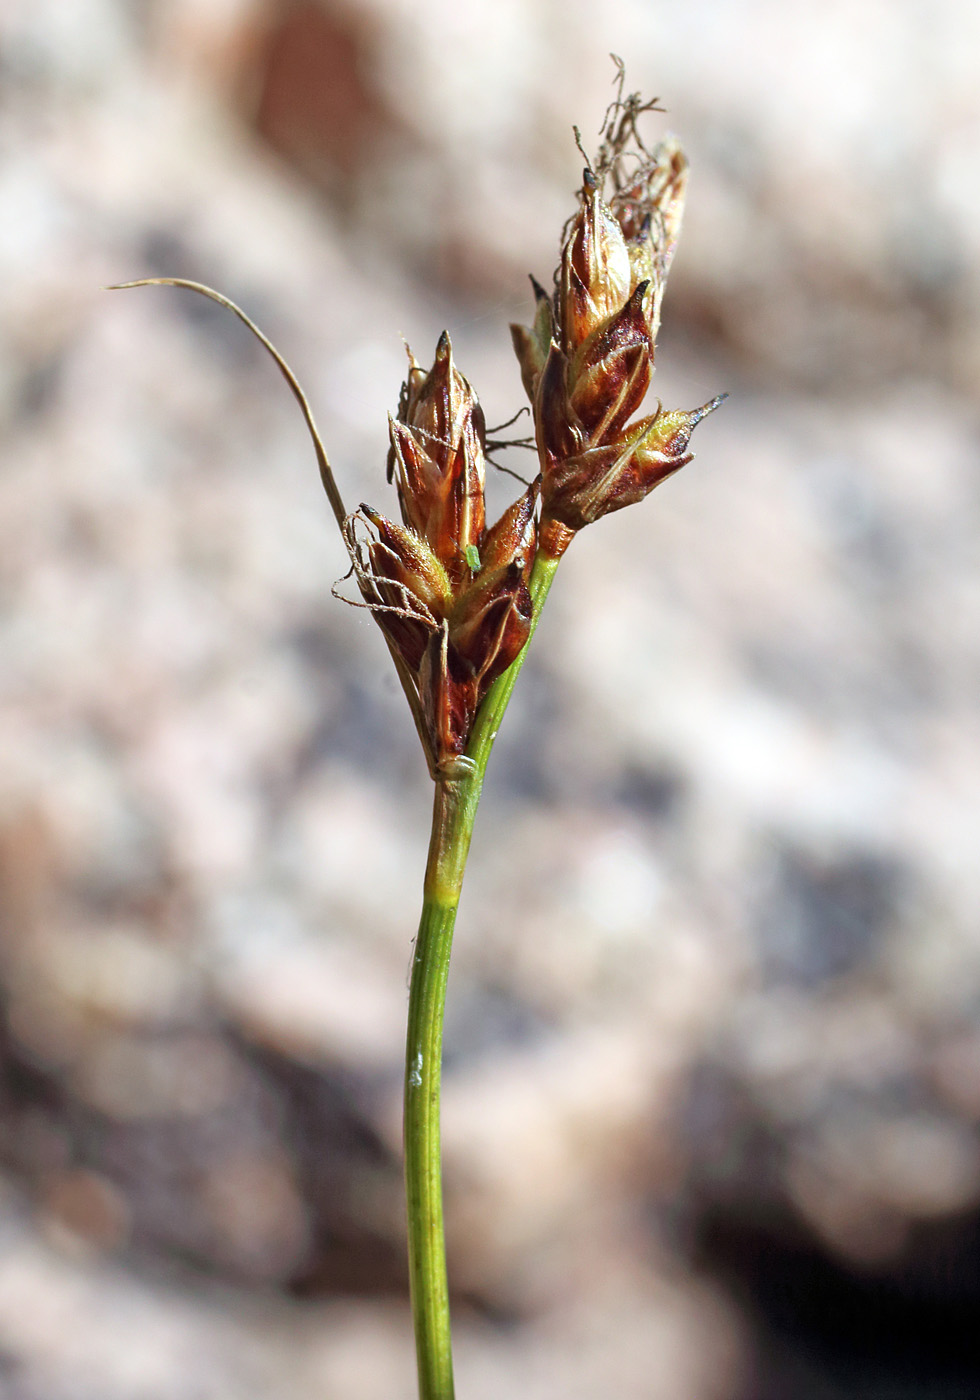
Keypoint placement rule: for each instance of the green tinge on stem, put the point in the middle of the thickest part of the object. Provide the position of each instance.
(491, 711)
(423, 1171)
(454, 812)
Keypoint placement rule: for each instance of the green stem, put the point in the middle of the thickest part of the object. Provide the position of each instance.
(492, 710)
(457, 795)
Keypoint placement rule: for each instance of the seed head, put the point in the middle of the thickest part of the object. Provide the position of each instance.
(450, 595)
(588, 359)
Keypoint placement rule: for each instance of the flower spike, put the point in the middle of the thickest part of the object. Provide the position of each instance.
(588, 360)
(450, 595)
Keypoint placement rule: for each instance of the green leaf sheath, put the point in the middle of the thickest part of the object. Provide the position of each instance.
(457, 795)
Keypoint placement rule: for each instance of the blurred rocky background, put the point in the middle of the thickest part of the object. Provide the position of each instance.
(713, 1061)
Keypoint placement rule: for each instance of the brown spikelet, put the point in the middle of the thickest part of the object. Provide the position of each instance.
(591, 379)
(450, 595)
(437, 457)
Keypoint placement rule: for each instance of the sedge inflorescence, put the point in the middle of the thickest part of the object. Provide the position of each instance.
(457, 600)
(452, 596)
(587, 360)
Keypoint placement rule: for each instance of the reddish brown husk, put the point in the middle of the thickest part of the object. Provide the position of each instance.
(588, 360)
(437, 459)
(450, 595)
(623, 471)
(594, 277)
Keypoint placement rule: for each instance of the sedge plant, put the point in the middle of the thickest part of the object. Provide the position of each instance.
(458, 600)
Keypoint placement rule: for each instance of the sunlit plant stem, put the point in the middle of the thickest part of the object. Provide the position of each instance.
(457, 794)
(458, 600)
